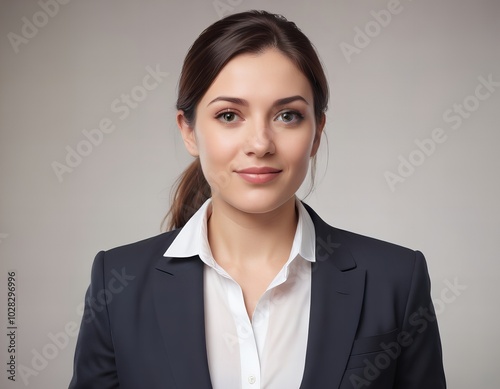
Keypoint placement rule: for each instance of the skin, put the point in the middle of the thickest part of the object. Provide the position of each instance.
(241, 123)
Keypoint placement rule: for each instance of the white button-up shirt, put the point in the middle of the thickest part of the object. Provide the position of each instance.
(268, 351)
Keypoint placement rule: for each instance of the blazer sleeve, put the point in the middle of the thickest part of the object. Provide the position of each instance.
(420, 364)
(94, 362)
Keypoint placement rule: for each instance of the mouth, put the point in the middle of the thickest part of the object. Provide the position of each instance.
(259, 175)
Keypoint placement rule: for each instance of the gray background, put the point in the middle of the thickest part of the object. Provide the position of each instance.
(396, 89)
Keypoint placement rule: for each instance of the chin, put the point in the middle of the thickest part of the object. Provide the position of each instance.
(258, 205)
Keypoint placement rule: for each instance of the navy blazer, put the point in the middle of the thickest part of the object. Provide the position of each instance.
(372, 323)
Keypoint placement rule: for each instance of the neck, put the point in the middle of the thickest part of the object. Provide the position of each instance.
(238, 238)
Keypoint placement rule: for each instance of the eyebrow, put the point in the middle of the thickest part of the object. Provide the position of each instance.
(236, 100)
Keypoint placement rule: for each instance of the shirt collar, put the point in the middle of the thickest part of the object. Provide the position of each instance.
(193, 238)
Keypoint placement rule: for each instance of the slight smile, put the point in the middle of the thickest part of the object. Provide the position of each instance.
(258, 175)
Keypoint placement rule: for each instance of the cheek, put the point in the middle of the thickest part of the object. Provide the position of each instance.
(216, 156)
(298, 151)
(216, 148)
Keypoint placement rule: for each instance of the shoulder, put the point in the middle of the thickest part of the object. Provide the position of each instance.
(138, 254)
(365, 251)
(388, 265)
(149, 245)
(365, 247)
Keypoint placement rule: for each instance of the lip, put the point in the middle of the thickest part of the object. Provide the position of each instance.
(258, 175)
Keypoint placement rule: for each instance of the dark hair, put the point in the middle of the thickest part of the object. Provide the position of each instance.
(245, 32)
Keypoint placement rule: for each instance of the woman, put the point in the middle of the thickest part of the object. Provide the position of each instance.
(250, 288)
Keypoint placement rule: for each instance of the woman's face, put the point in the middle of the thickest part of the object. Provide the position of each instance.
(255, 132)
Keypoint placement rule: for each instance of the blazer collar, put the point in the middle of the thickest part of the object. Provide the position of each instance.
(336, 299)
(179, 304)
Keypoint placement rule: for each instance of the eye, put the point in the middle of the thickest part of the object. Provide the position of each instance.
(290, 117)
(227, 117)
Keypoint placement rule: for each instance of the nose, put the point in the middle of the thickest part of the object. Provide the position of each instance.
(260, 141)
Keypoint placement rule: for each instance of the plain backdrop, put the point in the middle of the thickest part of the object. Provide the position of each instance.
(395, 77)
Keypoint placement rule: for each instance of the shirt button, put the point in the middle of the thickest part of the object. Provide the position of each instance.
(251, 379)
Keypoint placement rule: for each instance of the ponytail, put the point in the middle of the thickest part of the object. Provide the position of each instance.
(191, 190)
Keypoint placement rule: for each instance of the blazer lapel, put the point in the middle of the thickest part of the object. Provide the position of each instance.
(178, 286)
(336, 300)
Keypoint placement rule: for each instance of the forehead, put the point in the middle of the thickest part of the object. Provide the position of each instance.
(264, 76)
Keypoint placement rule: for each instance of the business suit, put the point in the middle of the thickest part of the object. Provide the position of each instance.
(371, 322)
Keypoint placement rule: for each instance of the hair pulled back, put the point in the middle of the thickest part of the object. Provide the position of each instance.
(245, 32)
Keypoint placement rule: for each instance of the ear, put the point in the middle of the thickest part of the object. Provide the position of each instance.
(188, 135)
(317, 138)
